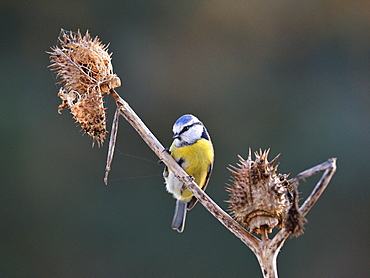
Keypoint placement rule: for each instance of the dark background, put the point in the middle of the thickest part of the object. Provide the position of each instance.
(289, 75)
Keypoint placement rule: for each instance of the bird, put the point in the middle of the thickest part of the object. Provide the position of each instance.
(193, 151)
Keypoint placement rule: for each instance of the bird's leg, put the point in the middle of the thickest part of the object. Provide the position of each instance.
(184, 186)
(164, 150)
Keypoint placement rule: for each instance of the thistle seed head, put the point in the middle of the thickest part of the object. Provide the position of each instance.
(259, 196)
(86, 73)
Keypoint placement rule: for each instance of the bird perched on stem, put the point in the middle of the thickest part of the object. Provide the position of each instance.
(192, 149)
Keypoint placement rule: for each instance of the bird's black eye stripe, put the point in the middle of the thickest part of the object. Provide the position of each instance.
(186, 128)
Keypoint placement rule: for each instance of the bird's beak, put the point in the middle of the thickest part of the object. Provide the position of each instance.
(176, 136)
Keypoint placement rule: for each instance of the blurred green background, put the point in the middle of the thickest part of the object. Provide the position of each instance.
(289, 75)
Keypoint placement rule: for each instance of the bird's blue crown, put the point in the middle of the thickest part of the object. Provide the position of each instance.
(184, 119)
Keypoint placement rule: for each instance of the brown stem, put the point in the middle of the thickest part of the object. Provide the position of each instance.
(264, 233)
(112, 144)
(126, 111)
(265, 250)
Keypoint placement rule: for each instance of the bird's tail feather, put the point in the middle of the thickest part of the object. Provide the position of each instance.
(178, 222)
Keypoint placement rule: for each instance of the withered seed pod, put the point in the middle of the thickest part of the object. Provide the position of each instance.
(260, 197)
(85, 70)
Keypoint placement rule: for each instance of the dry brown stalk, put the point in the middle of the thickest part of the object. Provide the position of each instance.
(261, 198)
(265, 249)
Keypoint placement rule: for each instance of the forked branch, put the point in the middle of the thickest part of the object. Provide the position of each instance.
(266, 250)
(85, 70)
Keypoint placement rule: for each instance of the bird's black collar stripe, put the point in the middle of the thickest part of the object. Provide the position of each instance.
(205, 134)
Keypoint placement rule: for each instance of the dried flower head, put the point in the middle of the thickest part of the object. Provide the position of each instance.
(86, 73)
(260, 197)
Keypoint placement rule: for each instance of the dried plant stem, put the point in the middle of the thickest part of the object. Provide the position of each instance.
(329, 167)
(126, 111)
(265, 250)
(267, 257)
(264, 233)
(112, 144)
(85, 69)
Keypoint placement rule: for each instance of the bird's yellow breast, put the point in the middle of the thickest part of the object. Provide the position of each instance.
(196, 160)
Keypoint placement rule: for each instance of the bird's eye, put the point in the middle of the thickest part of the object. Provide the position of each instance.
(186, 128)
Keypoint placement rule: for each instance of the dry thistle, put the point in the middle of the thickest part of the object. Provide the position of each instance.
(85, 70)
(260, 197)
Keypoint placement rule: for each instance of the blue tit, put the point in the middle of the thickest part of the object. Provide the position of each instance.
(192, 149)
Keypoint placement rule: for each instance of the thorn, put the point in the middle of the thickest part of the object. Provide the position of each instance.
(241, 159)
(276, 167)
(272, 162)
(266, 153)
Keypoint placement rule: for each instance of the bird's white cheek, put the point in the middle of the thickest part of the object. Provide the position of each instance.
(174, 186)
(177, 143)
